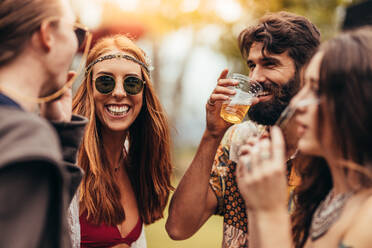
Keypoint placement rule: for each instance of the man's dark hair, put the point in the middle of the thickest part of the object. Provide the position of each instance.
(280, 32)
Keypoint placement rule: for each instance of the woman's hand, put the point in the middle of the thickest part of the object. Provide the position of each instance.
(261, 173)
(59, 109)
(217, 126)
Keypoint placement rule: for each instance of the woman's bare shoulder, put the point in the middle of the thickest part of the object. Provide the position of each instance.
(359, 234)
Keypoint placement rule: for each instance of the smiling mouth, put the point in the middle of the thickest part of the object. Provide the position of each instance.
(263, 93)
(117, 110)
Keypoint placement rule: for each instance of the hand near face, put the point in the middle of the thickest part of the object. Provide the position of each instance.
(215, 124)
(261, 173)
(59, 109)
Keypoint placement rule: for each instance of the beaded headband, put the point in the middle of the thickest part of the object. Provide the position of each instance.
(118, 56)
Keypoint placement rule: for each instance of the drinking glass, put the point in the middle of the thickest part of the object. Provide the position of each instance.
(235, 109)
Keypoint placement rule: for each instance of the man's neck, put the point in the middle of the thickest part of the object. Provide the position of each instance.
(20, 80)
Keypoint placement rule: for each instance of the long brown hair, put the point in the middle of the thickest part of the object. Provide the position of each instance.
(19, 19)
(345, 84)
(149, 150)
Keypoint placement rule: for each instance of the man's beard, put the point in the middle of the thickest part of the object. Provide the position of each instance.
(267, 113)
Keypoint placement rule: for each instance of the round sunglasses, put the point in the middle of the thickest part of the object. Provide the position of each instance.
(106, 84)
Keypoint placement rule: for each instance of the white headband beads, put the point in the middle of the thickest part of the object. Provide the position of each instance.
(118, 56)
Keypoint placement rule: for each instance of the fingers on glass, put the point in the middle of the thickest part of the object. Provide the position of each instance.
(106, 84)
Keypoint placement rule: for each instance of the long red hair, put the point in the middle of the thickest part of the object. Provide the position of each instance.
(148, 157)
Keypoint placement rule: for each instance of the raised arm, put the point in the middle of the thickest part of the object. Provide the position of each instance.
(262, 182)
(194, 201)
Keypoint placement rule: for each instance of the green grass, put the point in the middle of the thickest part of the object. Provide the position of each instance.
(210, 235)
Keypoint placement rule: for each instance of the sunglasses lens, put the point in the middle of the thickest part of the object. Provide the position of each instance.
(80, 35)
(133, 85)
(105, 84)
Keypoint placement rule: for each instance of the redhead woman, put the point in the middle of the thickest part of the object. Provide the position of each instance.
(334, 201)
(126, 148)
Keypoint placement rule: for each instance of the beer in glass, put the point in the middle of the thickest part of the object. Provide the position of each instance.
(235, 109)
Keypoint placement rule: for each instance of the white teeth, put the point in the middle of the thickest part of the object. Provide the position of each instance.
(264, 93)
(118, 110)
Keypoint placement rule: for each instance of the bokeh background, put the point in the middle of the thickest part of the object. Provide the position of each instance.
(189, 42)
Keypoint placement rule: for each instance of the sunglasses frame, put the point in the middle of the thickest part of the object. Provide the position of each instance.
(142, 87)
(76, 26)
(39, 100)
(86, 44)
(80, 26)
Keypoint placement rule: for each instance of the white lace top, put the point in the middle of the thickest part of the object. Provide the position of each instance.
(73, 220)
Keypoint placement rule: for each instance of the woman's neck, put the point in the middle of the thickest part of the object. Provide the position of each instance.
(341, 181)
(113, 144)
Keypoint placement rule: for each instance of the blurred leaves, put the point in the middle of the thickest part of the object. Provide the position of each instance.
(156, 19)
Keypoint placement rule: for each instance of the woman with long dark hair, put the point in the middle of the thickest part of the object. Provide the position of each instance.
(126, 148)
(334, 201)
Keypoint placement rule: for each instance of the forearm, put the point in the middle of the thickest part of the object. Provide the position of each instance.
(191, 202)
(273, 228)
(253, 239)
(70, 135)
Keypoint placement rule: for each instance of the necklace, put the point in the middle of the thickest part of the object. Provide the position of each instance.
(121, 160)
(327, 213)
(116, 169)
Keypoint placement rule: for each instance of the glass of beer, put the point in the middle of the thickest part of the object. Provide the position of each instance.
(235, 109)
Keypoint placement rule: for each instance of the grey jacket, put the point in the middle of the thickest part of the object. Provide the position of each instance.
(38, 178)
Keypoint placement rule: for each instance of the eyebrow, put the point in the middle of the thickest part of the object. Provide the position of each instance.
(266, 59)
(272, 60)
(311, 81)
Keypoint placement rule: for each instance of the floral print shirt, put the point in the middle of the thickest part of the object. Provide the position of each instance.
(230, 202)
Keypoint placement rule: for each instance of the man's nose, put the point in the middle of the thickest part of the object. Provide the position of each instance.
(257, 74)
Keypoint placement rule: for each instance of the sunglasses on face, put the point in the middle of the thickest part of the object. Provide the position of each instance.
(106, 84)
(81, 33)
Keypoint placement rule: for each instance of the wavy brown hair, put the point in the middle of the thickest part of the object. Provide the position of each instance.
(280, 32)
(345, 85)
(148, 156)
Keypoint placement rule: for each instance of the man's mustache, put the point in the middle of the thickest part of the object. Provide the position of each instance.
(280, 92)
(271, 88)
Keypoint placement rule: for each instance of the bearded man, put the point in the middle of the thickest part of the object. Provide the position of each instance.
(275, 50)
